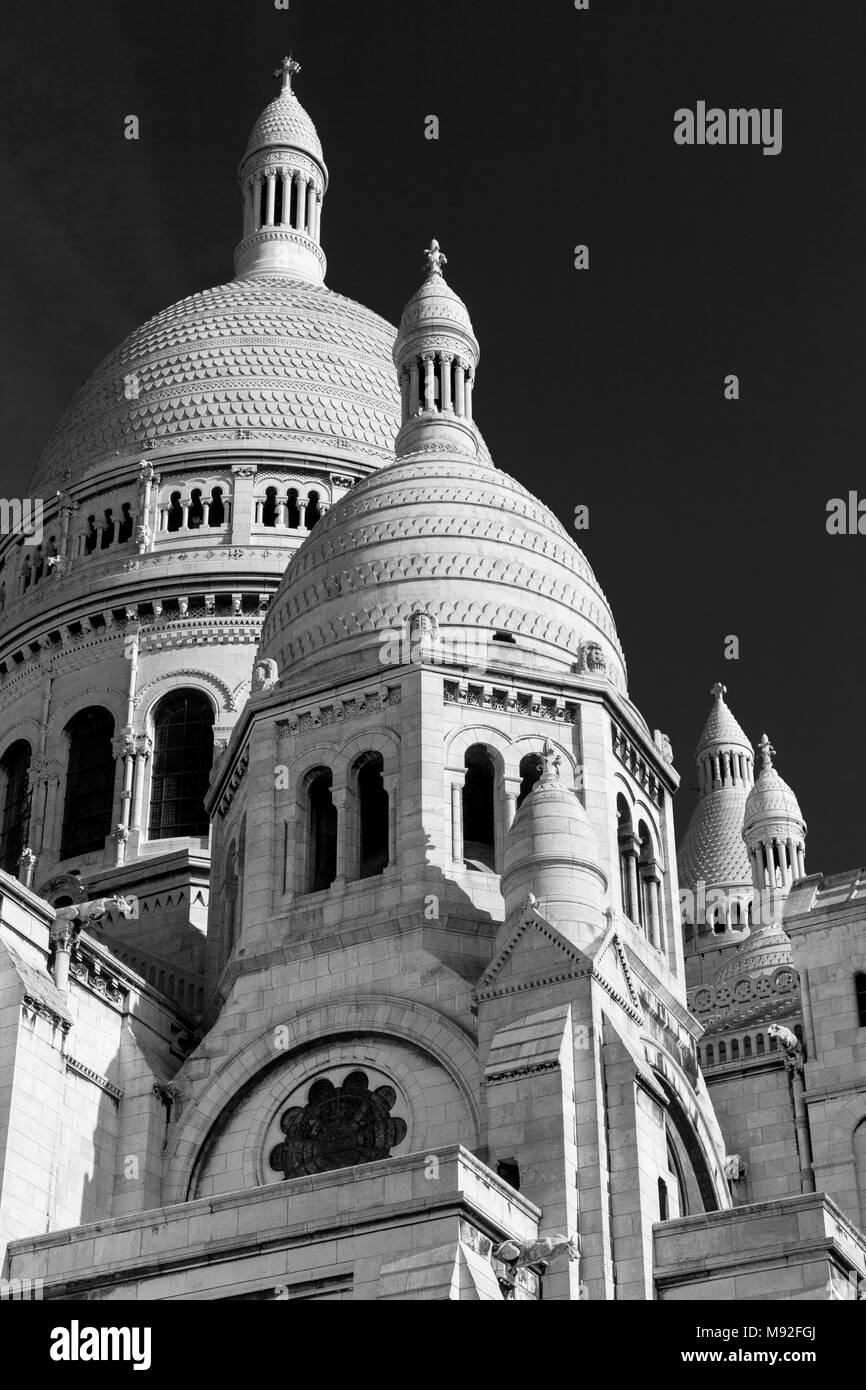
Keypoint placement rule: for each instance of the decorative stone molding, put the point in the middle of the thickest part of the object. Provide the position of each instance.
(337, 711)
(73, 1064)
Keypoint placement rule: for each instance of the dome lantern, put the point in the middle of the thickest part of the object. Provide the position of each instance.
(283, 178)
(773, 829)
(436, 355)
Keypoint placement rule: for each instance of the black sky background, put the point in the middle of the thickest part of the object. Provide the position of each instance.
(603, 388)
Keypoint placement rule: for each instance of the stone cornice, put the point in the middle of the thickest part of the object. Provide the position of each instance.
(73, 1064)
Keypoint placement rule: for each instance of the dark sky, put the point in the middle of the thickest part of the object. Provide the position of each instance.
(602, 387)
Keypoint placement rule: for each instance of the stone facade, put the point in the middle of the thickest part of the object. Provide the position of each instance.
(413, 1020)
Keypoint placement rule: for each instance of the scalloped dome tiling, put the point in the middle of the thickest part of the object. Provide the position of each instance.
(285, 123)
(459, 540)
(289, 360)
(712, 850)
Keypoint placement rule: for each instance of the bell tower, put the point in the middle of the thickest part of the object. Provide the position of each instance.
(283, 179)
(436, 355)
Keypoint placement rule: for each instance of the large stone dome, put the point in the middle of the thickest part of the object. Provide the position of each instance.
(443, 534)
(267, 358)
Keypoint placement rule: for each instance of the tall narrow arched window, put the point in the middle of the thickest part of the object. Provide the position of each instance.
(860, 991)
(531, 768)
(322, 862)
(182, 759)
(628, 852)
(478, 810)
(271, 508)
(14, 770)
(372, 805)
(90, 774)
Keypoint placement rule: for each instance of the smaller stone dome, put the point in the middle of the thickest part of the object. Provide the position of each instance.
(552, 853)
(767, 948)
(436, 306)
(284, 123)
(770, 798)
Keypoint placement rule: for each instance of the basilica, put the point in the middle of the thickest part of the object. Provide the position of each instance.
(346, 947)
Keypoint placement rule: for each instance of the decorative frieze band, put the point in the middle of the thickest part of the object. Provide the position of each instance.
(73, 1064)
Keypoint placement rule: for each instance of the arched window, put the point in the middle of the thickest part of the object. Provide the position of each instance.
(125, 530)
(322, 864)
(860, 991)
(182, 760)
(174, 519)
(313, 511)
(195, 515)
(478, 810)
(372, 808)
(216, 515)
(628, 850)
(14, 768)
(294, 509)
(90, 773)
(531, 768)
(230, 899)
(271, 508)
(663, 1200)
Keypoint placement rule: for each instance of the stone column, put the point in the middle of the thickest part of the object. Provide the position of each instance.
(143, 749)
(62, 940)
(405, 392)
(272, 197)
(429, 382)
(390, 785)
(258, 179)
(470, 379)
(414, 389)
(26, 866)
(339, 798)
(286, 209)
(446, 362)
(457, 822)
(248, 207)
(460, 386)
(631, 855)
(243, 490)
(185, 503)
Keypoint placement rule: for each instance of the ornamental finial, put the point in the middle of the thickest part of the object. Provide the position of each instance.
(287, 69)
(719, 691)
(550, 760)
(767, 752)
(435, 259)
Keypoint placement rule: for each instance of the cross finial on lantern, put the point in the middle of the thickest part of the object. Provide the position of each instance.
(719, 691)
(767, 752)
(436, 259)
(287, 69)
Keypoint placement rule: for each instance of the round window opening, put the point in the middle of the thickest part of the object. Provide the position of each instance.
(339, 1120)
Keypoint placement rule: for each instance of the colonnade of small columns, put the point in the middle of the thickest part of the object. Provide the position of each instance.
(309, 509)
(300, 201)
(437, 381)
(167, 506)
(787, 857)
(727, 768)
(641, 887)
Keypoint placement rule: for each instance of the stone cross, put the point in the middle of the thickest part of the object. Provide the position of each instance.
(550, 760)
(287, 69)
(719, 691)
(435, 258)
(767, 751)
